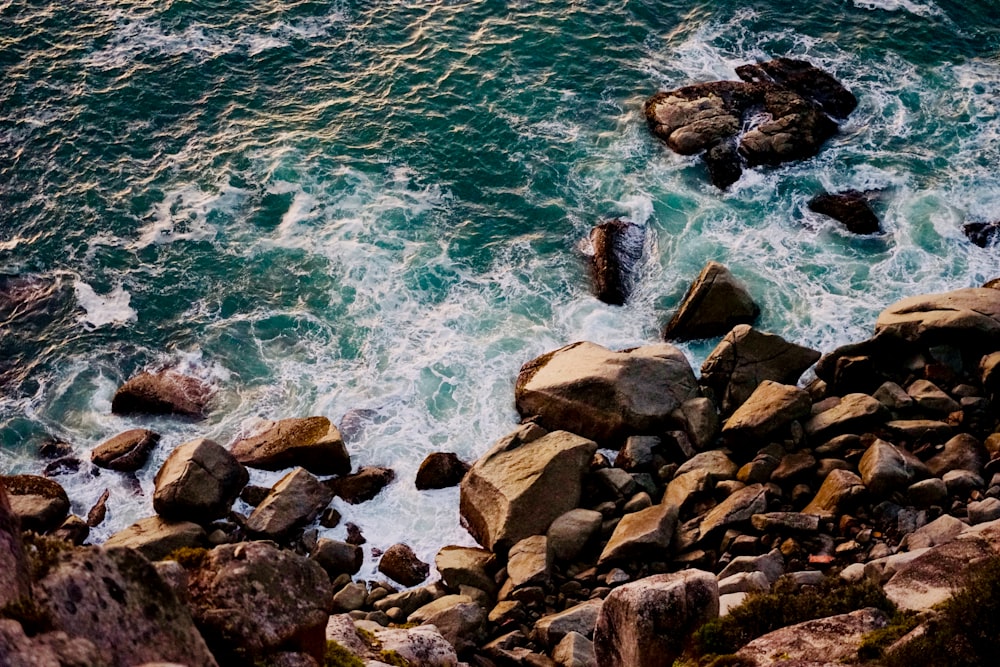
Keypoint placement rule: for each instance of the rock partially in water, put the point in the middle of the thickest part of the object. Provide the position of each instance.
(400, 564)
(126, 452)
(295, 500)
(310, 442)
(617, 246)
(363, 485)
(983, 234)
(441, 470)
(714, 303)
(851, 208)
(805, 79)
(161, 393)
(198, 482)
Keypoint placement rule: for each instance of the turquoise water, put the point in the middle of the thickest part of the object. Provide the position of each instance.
(381, 206)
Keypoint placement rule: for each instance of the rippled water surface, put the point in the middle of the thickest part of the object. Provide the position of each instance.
(379, 207)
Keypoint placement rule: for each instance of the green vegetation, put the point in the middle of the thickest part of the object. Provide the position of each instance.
(392, 658)
(29, 614)
(338, 656)
(190, 558)
(43, 552)
(874, 643)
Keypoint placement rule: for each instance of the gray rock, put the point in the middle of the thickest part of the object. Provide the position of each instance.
(942, 530)
(457, 618)
(337, 557)
(571, 532)
(295, 500)
(198, 482)
(164, 392)
(893, 397)
(701, 421)
(312, 443)
(734, 510)
(126, 452)
(771, 564)
(886, 468)
(744, 582)
(519, 487)
(855, 413)
(636, 455)
(351, 597)
(984, 510)
(155, 537)
(580, 619)
(936, 574)
(422, 646)
(604, 395)
(963, 452)
(644, 623)
(928, 492)
(575, 650)
(929, 397)
(824, 641)
(466, 566)
(643, 535)
(39, 503)
(770, 407)
(745, 358)
(49, 649)
(961, 483)
(529, 562)
(715, 302)
(410, 600)
(615, 480)
(400, 564)
(840, 491)
(14, 581)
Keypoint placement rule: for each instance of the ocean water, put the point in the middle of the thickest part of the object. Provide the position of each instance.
(378, 209)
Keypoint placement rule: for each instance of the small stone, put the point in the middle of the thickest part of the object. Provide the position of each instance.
(984, 510)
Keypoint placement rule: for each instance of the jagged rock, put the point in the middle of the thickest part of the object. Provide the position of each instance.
(580, 619)
(39, 503)
(794, 522)
(983, 234)
(725, 166)
(701, 421)
(295, 500)
(615, 482)
(14, 581)
(115, 599)
(74, 530)
(575, 650)
(893, 397)
(519, 487)
(839, 492)
(886, 468)
(929, 397)
(363, 485)
(97, 513)
(643, 535)
(644, 623)
(967, 317)
(714, 462)
(715, 302)
(805, 79)
(198, 482)
(164, 392)
(746, 357)
(466, 566)
(963, 452)
(683, 490)
(824, 641)
(400, 564)
(570, 533)
(441, 470)
(457, 618)
(49, 649)
(126, 452)
(604, 395)
(312, 443)
(770, 407)
(935, 575)
(961, 483)
(735, 509)
(529, 562)
(797, 130)
(694, 118)
(155, 537)
(850, 208)
(771, 564)
(617, 248)
(637, 454)
(337, 557)
(855, 413)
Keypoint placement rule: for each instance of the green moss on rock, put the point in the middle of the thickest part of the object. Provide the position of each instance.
(338, 656)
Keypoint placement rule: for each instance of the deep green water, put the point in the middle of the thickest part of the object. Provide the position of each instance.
(380, 206)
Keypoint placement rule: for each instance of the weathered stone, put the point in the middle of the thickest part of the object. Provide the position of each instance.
(771, 564)
(400, 564)
(604, 395)
(457, 618)
(363, 485)
(337, 557)
(928, 396)
(984, 510)
(967, 317)
(155, 537)
(683, 490)
(252, 598)
(581, 619)
(886, 468)
(198, 482)
(744, 582)
(734, 510)
(786, 522)
(164, 392)
(617, 246)
(351, 597)
(115, 599)
(983, 234)
(701, 421)
(615, 481)
(893, 397)
(49, 649)
(644, 623)
(940, 531)
(312, 443)
(770, 407)
(855, 413)
(963, 452)
(14, 581)
(126, 452)
(794, 466)
(746, 357)
(97, 513)
(637, 454)
(643, 535)
(294, 501)
(422, 646)
(840, 491)
(935, 575)
(806, 80)
(529, 562)
(824, 641)
(575, 650)
(523, 484)
(916, 431)
(39, 503)
(961, 483)
(928, 492)
(571, 532)
(851, 208)
(715, 302)
(441, 470)
(694, 118)
(466, 566)
(989, 372)
(797, 129)
(725, 166)
(715, 462)
(74, 530)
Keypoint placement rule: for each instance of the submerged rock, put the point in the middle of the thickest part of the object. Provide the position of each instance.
(715, 302)
(163, 392)
(850, 208)
(617, 246)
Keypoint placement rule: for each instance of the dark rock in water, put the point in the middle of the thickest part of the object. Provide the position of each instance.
(74, 530)
(806, 80)
(400, 564)
(165, 392)
(693, 118)
(441, 470)
(338, 557)
(850, 208)
(95, 517)
(361, 486)
(55, 449)
(67, 465)
(715, 302)
(725, 166)
(354, 535)
(983, 234)
(126, 452)
(40, 503)
(617, 249)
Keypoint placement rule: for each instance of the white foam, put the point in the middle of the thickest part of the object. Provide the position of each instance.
(184, 214)
(103, 309)
(917, 8)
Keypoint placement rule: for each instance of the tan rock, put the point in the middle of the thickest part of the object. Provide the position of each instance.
(715, 302)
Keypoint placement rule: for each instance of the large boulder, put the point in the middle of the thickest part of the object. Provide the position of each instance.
(363, 485)
(855, 413)
(126, 452)
(715, 302)
(526, 480)
(115, 599)
(770, 407)
(581, 618)
(310, 442)
(746, 357)
(850, 208)
(983, 234)
(604, 395)
(458, 618)
(39, 503)
(467, 566)
(617, 246)
(796, 130)
(969, 318)
(252, 599)
(963, 452)
(645, 623)
(155, 537)
(833, 640)
(294, 500)
(935, 575)
(694, 118)
(48, 649)
(161, 393)
(886, 468)
(805, 79)
(198, 482)
(14, 582)
(337, 557)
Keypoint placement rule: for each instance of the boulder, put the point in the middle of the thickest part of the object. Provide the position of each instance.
(715, 462)
(645, 623)
(694, 118)
(126, 452)
(603, 395)
(935, 575)
(851, 208)
(840, 491)
(312, 443)
(115, 599)
(39, 503)
(466, 566)
(929, 397)
(833, 640)
(617, 246)
(685, 489)
(575, 650)
(856, 413)
(886, 468)
(989, 372)
(363, 485)
(457, 618)
(746, 357)
(198, 482)
(770, 407)
(806, 80)
(519, 487)
(724, 164)
(155, 537)
(796, 130)
(715, 302)
(962, 452)
(422, 646)
(571, 532)
(580, 619)
(529, 562)
(643, 536)
(400, 564)
(161, 393)
(252, 599)
(295, 500)
(441, 470)
(969, 318)
(74, 530)
(337, 557)
(701, 421)
(983, 234)
(940, 531)
(735, 509)
(771, 564)
(14, 581)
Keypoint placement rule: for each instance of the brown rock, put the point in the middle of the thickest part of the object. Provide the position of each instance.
(363, 485)
(644, 535)
(154, 537)
(400, 564)
(198, 482)
(312, 443)
(164, 392)
(734, 510)
(337, 557)
(97, 513)
(126, 452)
(963, 452)
(14, 581)
(839, 492)
(441, 470)
(824, 641)
(715, 302)
(295, 500)
(856, 413)
(770, 407)
(39, 503)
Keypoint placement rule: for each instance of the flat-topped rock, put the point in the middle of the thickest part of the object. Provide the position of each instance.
(155, 537)
(824, 641)
(840, 492)
(312, 443)
(715, 302)
(856, 413)
(642, 535)
(163, 392)
(39, 503)
(737, 508)
(968, 317)
(770, 407)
